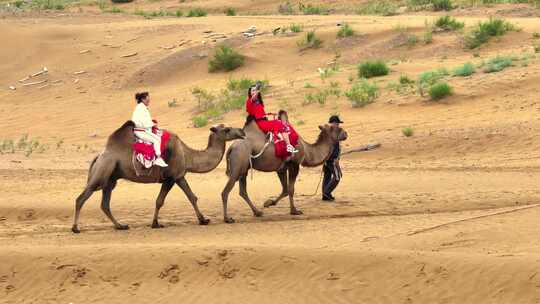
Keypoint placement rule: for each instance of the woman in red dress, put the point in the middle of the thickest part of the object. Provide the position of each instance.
(255, 107)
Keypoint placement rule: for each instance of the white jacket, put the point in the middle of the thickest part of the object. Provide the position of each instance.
(142, 118)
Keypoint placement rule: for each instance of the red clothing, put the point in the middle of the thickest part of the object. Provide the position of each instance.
(256, 109)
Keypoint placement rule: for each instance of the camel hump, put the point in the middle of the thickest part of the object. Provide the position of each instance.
(122, 134)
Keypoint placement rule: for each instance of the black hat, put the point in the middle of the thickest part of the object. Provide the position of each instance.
(334, 119)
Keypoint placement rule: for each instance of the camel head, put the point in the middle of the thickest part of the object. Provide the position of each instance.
(227, 133)
(333, 132)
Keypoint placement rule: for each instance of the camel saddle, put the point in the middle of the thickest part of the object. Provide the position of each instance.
(144, 154)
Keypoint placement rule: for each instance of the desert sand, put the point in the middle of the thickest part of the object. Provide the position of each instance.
(449, 215)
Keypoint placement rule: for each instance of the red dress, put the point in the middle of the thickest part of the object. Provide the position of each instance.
(256, 109)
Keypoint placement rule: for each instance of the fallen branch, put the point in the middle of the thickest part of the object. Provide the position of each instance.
(129, 55)
(34, 83)
(40, 72)
(84, 51)
(364, 148)
(472, 218)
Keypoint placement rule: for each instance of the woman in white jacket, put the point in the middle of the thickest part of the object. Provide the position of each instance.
(143, 125)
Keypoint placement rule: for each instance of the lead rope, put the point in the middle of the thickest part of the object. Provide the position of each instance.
(270, 138)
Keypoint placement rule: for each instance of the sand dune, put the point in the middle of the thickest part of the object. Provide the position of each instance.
(448, 215)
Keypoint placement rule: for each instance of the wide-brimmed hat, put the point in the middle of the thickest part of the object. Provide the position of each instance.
(334, 119)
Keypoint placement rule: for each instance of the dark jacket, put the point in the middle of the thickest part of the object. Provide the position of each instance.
(336, 152)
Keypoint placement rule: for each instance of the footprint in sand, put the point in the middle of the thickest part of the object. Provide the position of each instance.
(171, 274)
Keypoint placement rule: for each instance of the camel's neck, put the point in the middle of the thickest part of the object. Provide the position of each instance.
(317, 153)
(206, 160)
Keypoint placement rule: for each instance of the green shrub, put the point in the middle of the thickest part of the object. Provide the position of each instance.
(448, 23)
(485, 30)
(442, 5)
(121, 1)
(370, 69)
(225, 59)
(230, 11)
(404, 79)
(286, 8)
(408, 132)
(465, 70)
(428, 79)
(178, 13)
(314, 10)
(345, 31)
(362, 93)
(440, 90)
(197, 12)
(428, 36)
(316, 97)
(497, 64)
(383, 8)
(200, 121)
(310, 41)
(536, 35)
(412, 40)
(296, 28)
(537, 48)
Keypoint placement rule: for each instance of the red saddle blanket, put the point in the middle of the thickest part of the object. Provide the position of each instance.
(144, 151)
(280, 146)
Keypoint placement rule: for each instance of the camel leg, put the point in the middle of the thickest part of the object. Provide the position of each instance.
(225, 197)
(165, 188)
(245, 196)
(106, 206)
(183, 184)
(284, 189)
(294, 169)
(79, 202)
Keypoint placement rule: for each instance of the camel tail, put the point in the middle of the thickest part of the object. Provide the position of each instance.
(228, 159)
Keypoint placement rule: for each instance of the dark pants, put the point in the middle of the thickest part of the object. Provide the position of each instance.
(332, 176)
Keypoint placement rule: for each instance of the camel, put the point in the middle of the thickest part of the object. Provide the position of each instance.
(116, 162)
(263, 159)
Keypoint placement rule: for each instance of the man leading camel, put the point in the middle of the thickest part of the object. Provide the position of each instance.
(144, 124)
(331, 168)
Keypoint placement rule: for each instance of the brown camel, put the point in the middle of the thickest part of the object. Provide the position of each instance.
(116, 162)
(240, 152)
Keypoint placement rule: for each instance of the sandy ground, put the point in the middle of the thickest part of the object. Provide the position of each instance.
(449, 215)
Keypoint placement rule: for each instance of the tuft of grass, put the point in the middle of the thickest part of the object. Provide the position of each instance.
(536, 35)
(382, 8)
(442, 5)
(311, 9)
(230, 11)
(310, 41)
(296, 28)
(370, 69)
(197, 12)
(498, 64)
(427, 79)
(172, 103)
(362, 93)
(225, 59)
(428, 36)
(440, 90)
(412, 40)
(200, 121)
(345, 31)
(448, 23)
(537, 48)
(317, 97)
(408, 131)
(485, 30)
(465, 70)
(308, 85)
(121, 1)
